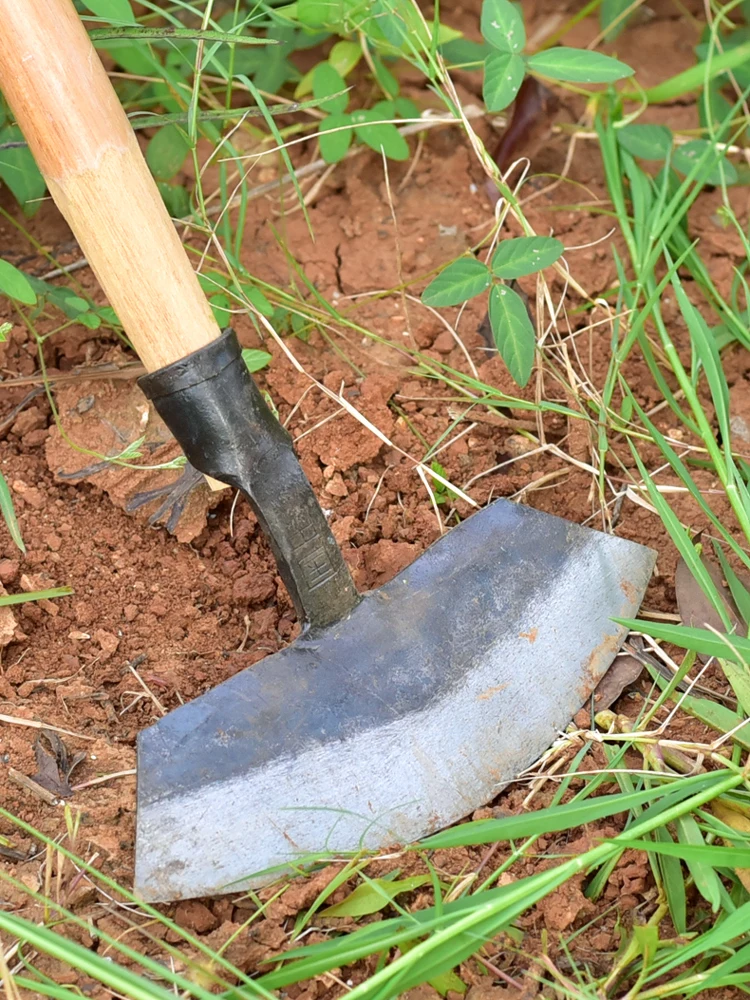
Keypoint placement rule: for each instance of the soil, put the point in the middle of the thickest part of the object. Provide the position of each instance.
(156, 619)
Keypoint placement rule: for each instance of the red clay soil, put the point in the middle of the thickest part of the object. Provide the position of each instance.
(156, 620)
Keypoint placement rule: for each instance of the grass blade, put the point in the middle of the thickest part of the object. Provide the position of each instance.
(552, 820)
(9, 514)
(35, 595)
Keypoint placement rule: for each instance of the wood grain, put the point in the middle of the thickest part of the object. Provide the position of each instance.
(81, 139)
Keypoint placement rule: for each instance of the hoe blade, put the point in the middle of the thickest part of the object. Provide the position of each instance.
(416, 709)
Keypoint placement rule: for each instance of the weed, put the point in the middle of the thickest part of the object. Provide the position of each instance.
(188, 76)
(506, 66)
(510, 322)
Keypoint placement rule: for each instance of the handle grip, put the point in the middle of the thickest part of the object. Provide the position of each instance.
(81, 139)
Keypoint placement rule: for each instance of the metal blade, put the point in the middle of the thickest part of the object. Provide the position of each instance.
(435, 692)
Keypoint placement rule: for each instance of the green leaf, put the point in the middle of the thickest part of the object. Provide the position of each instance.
(221, 308)
(739, 678)
(166, 152)
(685, 158)
(130, 56)
(211, 281)
(335, 136)
(75, 304)
(503, 76)
(9, 514)
(649, 142)
(734, 925)
(502, 26)
(443, 983)
(446, 34)
(176, 198)
(740, 593)
(380, 135)
(730, 647)
(708, 51)
(465, 54)
(672, 879)
(305, 85)
(373, 896)
(609, 12)
(523, 255)
(400, 23)
(577, 66)
(112, 10)
(327, 81)
(255, 359)
(108, 315)
(35, 595)
(19, 171)
(102, 969)
(514, 335)
(63, 298)
(274, 69)
(344, 56)
(447, 982)
(316, 13)
(556, 818)
(705, 878)
(406, 108)
(258, 299)
(90, 320)
(460, 281)
(714, 111)
(386, 79)
(15, 284)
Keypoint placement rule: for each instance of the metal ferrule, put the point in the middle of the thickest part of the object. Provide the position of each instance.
(226, 429)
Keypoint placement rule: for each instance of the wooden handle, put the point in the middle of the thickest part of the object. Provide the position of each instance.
(84, 146)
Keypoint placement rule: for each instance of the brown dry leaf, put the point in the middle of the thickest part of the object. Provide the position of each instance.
(739, 411)
(739, 823)
(105, 417)
(695, 608)
(625, 670)
(55, 768)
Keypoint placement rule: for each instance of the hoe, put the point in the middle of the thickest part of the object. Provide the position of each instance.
(396, 712)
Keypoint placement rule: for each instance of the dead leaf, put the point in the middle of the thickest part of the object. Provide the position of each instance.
(625, 670)
(104, 418)
(11, 854)
(739, 411)
(54, 768)
(695, 608)
(739, 823)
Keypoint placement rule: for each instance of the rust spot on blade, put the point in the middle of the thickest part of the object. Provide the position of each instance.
(531, 635)
(629, 591)
(491, 692)
(594, 668)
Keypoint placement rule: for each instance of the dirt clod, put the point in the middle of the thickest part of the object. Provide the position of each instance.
(563, 907)
(8, 570)
(108, 643)
(195, 916)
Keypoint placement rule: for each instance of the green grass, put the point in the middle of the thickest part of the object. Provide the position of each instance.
(686, 808)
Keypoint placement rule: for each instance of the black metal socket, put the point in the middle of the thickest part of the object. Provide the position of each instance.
(219, 417)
